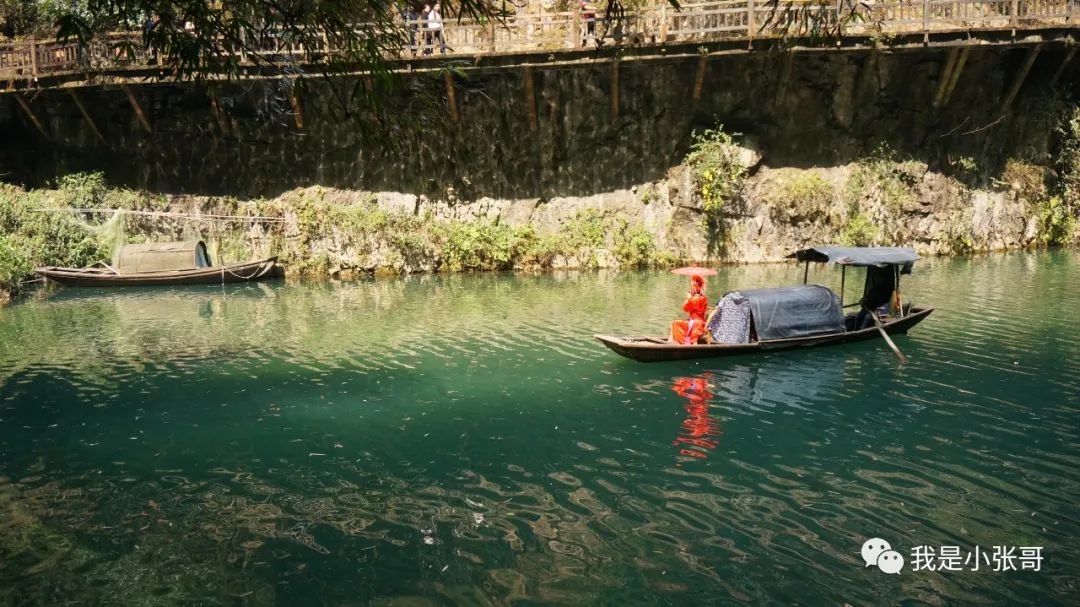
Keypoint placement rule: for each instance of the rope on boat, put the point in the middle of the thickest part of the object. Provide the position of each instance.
(106, 266)
(258, 271)
(203, 217)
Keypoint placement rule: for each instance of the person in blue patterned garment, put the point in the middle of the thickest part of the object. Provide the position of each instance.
(730, 321)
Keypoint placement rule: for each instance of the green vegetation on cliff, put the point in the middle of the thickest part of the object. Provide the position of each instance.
(314, 231)
(719, 174)
(886, 178)
(1061, 214)
(800, 196)
(30, 238)
(885, 198)
(335, 234)
(14, 266)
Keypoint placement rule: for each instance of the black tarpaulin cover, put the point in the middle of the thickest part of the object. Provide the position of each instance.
(800, 311)
(858, 256)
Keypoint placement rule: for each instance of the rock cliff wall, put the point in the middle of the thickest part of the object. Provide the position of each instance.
(803, 110)
(836, 147)
(875, 201)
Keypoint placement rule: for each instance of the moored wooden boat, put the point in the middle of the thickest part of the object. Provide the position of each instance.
(108, 277)
(660, 349)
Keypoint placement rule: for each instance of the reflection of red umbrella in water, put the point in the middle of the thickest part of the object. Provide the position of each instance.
(698, 428)
(694, 271)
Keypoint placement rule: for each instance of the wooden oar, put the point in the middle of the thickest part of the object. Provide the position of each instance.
(888, 340)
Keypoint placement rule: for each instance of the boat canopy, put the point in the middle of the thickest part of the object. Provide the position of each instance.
(784, 312)
(162, 256)
(859, 256)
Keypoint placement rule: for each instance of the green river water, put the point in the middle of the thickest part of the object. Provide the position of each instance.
(462, 440)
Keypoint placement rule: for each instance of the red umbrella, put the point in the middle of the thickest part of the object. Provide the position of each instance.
(692, 270)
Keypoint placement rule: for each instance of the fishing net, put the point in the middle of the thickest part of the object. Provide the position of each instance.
(111, 233)
(121, 228)
(231, 234)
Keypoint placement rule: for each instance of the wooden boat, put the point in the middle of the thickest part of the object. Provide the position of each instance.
(171, 263)
(108, 277)
(659, 349)
(792, 317)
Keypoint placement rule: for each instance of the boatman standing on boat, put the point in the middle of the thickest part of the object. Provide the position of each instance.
(690, 331)
(879, 290)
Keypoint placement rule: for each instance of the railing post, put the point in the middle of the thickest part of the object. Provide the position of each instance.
(1013, 9)
(926, 17)
(663, 23)
(571, 29)
(750, 18)
(33, 57)
(491, 31)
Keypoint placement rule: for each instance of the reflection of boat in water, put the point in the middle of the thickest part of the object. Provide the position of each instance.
(699, 430)
(94, 332)
(784, 382)
(806, 315)
(156, 264)
(180, 295)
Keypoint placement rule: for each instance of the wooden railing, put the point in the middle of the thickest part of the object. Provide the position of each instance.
(706, 21)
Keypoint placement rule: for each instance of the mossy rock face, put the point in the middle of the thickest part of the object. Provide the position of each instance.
(1025, 180)
(885, 183)
(859, 231)
(795, 196)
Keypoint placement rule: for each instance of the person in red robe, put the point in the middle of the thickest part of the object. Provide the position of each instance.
(689, 331)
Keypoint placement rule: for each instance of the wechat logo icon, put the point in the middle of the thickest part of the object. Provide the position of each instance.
(876, 551)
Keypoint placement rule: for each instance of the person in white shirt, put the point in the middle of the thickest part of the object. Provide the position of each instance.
(434, 22)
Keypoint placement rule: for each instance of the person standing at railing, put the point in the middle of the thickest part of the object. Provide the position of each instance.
(408, 13)
(425, 32)
(435, 27)
(149, 26)
(588, 15)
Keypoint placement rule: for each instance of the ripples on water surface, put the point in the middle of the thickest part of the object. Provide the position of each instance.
(463, 440)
